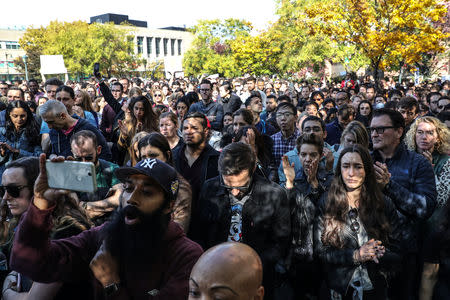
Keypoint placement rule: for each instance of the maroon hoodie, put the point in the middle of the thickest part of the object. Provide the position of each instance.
(67, 260)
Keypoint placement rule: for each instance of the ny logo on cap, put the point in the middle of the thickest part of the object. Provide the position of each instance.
(148, 163)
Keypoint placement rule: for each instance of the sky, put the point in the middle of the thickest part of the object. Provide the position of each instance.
(157, 13)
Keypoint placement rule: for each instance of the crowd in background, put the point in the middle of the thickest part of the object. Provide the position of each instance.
(340, 187)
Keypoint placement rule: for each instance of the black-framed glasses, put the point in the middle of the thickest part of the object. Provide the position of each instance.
(157, 95)
(86, 158)
(13, 190)
(353, 215)
(380, 130)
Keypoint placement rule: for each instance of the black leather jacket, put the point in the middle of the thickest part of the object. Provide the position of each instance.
(304, 201)
(338, 263)
(266, 224)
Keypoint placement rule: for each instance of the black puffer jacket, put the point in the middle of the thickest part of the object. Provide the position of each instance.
(338, 263)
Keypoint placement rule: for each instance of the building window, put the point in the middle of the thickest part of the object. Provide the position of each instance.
(179, 47)
(149, 45)
(158, 43)
(140, 42)
(165, 44)
(172, 47)
(12, 45)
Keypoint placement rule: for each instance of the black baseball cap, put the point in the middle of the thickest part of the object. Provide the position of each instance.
(163, 174)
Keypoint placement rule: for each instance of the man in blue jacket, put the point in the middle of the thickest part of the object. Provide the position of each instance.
(63, 126)
(408, 179)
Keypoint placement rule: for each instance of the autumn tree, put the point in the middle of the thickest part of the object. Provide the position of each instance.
(387, 32)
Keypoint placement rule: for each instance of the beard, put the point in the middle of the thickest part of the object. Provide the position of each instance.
(137, 245)
(196, 145)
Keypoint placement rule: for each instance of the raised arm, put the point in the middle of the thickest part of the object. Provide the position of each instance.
(41, 259)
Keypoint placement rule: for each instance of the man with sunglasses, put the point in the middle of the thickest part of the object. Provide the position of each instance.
(241, 206)
(105, 200)
(407, 178)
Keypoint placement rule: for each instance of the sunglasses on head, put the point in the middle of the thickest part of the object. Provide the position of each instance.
(13, 190)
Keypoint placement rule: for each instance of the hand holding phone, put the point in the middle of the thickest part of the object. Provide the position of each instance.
(97, 71)
(71, 175)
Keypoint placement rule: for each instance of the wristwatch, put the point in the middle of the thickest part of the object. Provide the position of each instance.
(111, 289)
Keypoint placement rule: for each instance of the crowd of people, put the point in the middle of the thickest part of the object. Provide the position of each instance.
(242, 188)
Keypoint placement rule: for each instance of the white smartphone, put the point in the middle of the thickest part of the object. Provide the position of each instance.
(72, 175)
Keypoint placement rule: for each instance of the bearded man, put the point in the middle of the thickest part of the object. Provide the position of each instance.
(140, 253)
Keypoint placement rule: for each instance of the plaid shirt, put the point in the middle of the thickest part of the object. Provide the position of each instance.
(282, 145)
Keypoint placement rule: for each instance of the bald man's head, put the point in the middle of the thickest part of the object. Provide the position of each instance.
(230, 269)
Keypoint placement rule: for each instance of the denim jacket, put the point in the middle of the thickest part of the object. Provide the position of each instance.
(17, 141)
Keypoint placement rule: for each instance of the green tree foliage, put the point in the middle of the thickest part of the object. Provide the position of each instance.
(210, 52)
(256, 55)
(81, 45)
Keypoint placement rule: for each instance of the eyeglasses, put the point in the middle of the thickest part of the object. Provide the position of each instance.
(353, 215)
(86, 158)
(380, 130)
(313, 129)
(204, 90)
(157, 95)
(13, 190)
(286, 115)
(242, 189)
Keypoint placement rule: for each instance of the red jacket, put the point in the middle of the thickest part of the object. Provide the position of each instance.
(67, 260)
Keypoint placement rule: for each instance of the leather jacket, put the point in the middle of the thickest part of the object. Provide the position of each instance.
(304, 201)
(338, 263)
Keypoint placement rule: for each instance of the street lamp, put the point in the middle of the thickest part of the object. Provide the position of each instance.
(26, 69)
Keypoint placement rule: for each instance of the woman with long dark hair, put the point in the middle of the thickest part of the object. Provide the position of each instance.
(353, 229)
(20, 136)
(84, 101)
(68, 219)
(141, 117)
(364, 113)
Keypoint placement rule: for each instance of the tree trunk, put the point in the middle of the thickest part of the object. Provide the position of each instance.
(375, 68)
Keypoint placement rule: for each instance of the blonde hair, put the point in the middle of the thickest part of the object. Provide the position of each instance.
(442, 131)
(359, 132)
